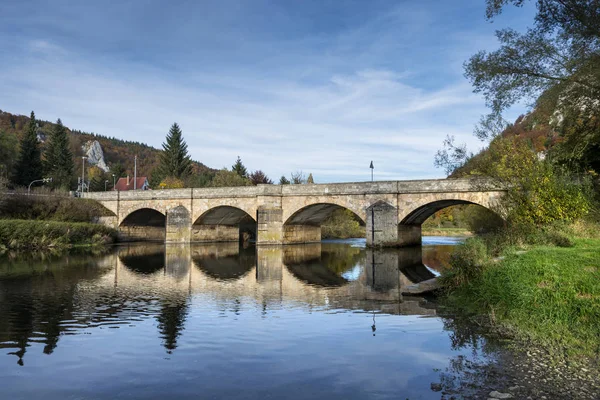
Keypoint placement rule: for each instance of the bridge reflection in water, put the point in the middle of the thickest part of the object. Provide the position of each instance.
(317, 274)
(41, 301)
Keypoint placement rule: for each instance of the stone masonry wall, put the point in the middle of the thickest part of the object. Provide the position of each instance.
(215, 233)
(129, 233)
(301, 234)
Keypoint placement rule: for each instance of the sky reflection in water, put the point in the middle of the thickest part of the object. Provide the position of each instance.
(217, 321)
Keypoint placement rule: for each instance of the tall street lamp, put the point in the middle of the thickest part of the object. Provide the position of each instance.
(372, 168)
(105, 183)
(113, 181)
(83, 158)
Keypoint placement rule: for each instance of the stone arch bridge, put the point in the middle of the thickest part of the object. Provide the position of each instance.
(392, 211)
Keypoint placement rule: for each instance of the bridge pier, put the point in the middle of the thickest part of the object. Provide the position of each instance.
(269, 229)
(178, 225)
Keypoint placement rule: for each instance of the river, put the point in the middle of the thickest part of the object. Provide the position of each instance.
(219, 321)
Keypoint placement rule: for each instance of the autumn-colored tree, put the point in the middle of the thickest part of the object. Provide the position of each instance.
(259, 177)
(310, 179)
(96, 178)
(538, 192)
(171, 183)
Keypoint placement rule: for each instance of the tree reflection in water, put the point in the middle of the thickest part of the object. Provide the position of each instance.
(43, 299)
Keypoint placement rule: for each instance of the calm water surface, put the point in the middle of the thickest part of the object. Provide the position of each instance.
(218, 321)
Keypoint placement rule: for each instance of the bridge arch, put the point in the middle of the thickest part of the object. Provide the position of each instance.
(423, 207)
(143, 224)
(223, 224)
(414, 215)
(304, 225)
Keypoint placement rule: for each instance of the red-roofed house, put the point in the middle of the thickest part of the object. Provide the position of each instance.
(128, 184)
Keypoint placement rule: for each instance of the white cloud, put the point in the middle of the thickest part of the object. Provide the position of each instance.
(322, 103)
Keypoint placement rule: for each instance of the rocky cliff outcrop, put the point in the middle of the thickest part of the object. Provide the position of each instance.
(93, 151)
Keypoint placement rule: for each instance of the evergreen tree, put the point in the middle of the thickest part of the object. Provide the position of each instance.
(118, 170)
(59, 159)
(239, 168)
(283, 180)
(175, 161)
(29, 164)
(310, 179)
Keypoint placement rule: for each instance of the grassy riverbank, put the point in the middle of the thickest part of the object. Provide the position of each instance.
(545, 293)
(39, 235)
(446, 232)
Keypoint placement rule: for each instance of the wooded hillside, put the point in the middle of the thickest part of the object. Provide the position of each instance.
(116, 151)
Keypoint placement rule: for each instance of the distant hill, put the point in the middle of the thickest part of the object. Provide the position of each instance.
(116, 151)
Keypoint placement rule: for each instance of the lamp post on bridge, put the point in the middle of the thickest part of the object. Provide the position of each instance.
(372, 168)
(105, 183)
(114, 184)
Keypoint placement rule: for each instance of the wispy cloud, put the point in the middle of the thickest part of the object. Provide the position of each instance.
(324, 99)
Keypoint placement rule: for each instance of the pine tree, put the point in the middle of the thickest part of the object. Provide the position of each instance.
(175, 161)
(310, 179)
(283, 180)
(29, 164)
(59, 159)
(239, 168)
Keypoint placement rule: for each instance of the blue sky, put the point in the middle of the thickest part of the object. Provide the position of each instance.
(318, 86)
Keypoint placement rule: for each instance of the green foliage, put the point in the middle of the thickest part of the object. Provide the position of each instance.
(116, 151)
(549, 294)
(464, 217)
(118, 170)
(239, 168)
(200, 179)
(283, 180)
(579, 145)
(563, 48)
(19, 234)
(175, 161)
(8, 152)
(342, 224)
(58, 158)
(29, 165)
(481, 220)
(50, 206)
(538, 193)
(226, 178)
(468, 262)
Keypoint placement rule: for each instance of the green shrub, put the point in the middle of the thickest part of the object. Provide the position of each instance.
(467, 263)
(50, 208)
(21, 234)
(342, 224)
